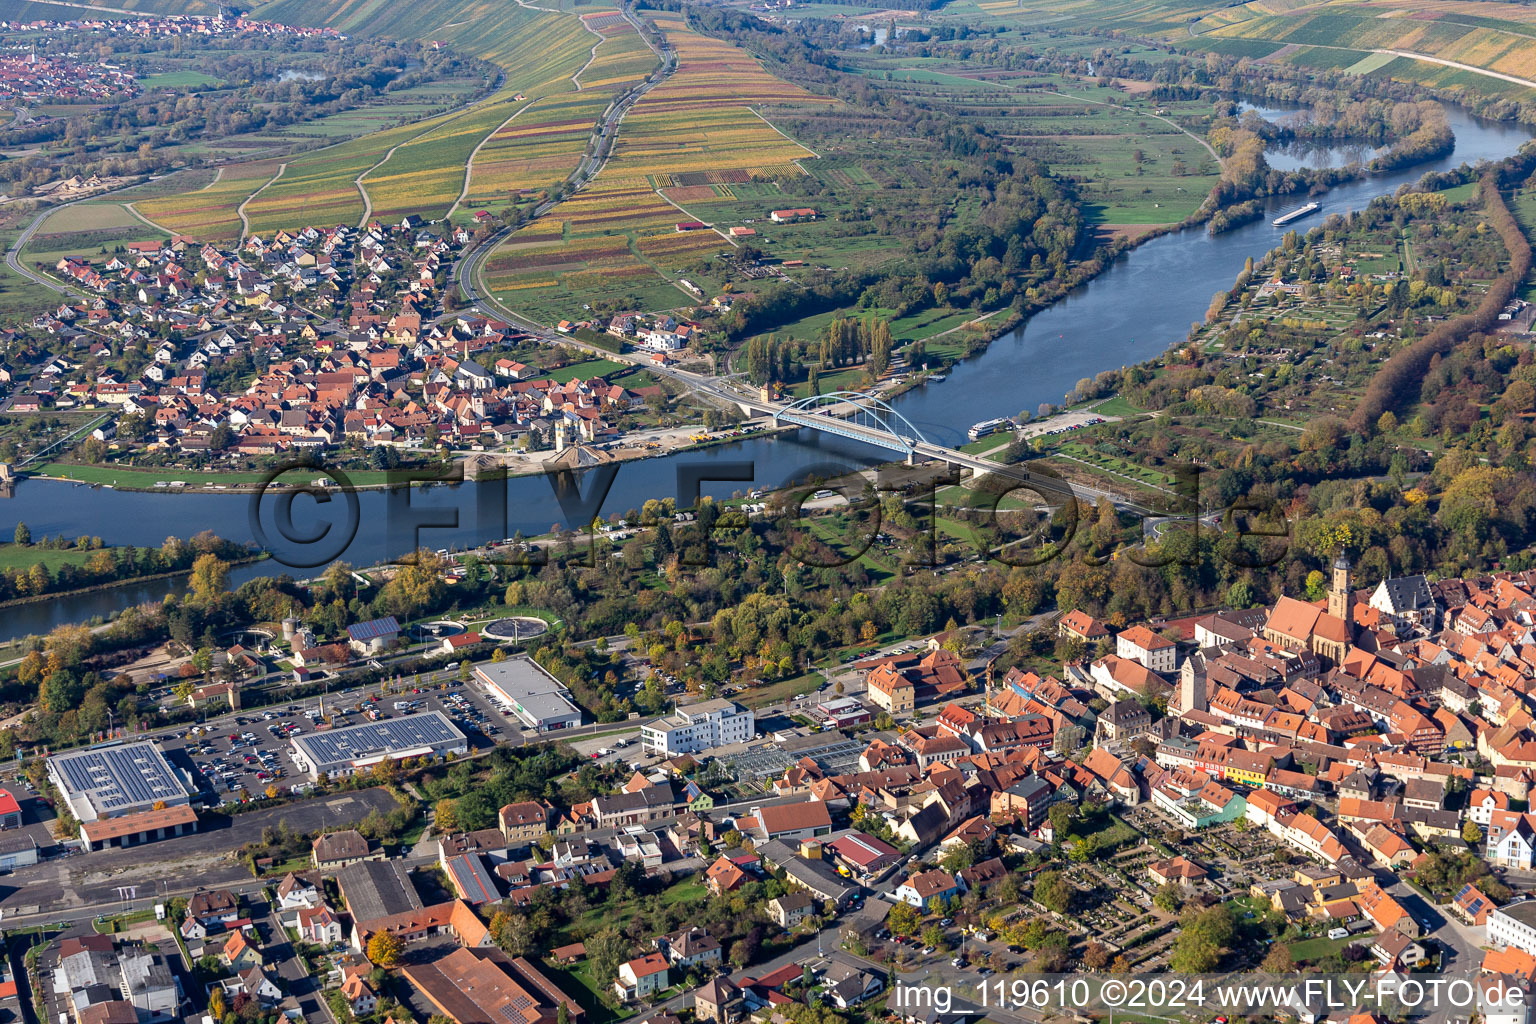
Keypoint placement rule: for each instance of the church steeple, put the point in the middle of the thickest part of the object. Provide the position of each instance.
(1341, 595)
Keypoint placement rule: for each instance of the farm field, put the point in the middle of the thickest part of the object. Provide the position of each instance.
(87, 217)
(404, 160)
(403, 106)
(616, 244)
(1091, 133)
(1495, 36)
(211, 212)
(178, 80)
(118, 226)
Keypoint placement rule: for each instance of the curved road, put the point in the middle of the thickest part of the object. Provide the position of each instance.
(12, 255)
(466, 272)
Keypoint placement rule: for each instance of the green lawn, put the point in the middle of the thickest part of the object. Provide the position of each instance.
(602, 917)
(776, 693)
(13, 556)
(179, 79)
(1318, 948)
(1118, 406)
(586, 368)
(588, 992)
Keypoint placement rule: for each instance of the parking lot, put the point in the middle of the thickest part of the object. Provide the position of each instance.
(245, 752)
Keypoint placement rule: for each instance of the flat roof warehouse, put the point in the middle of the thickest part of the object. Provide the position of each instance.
(345, 750)
(109, 782)
(540, 701)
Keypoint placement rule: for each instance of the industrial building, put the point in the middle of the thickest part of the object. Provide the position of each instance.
(354, 748)
(116, 781)
(539, 700)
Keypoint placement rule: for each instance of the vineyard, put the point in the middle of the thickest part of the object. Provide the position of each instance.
(528, 135)
(616, 242)
(1498, 37)
(541, 146)
(622, 59)
(210, 213)
(701, 121)
(427, 174)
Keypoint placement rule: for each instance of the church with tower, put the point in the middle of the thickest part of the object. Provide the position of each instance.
(1327, 632)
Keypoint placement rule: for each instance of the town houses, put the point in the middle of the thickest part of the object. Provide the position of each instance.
(1404, 741)
(336, 332)
(33, 79)
(165, 26)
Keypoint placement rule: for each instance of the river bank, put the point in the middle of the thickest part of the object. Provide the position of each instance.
(243, 482)
(21, 602)
(1133, 311)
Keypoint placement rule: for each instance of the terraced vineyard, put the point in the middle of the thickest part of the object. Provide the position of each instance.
(538, 149)
(211, 213)
(618, 241)
(545, 141)
(702, 122)
(528, 135)
(1353, 35)
(622, 58)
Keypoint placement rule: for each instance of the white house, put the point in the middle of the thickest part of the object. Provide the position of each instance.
(254, 983)
(659, 339)
(320, 925)
(1482, 803)
(1514, 925)
(1405, 601)
(295, 893)
(1140, 644)
(710, 723)
(360, 995)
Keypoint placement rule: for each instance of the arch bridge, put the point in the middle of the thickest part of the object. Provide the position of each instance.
(857, 415)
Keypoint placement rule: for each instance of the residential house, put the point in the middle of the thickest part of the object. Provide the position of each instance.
(240, 952)
(333, 850)
(790, 909)
(718, 1000)
(1153, 651)
(690, 949)
(641, 977)
(930, 890)
(213, 908)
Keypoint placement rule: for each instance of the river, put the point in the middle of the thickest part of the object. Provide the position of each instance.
(1133, 311)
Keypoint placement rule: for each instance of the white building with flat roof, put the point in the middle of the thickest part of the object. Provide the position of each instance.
(539, 700)
(710, 723)
(113, 781)
(353, 748)
(1514, 925)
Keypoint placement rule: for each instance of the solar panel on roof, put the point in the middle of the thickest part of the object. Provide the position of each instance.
(369, 739)
(119, 777)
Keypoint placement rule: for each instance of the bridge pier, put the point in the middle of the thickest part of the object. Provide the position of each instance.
(977, 475)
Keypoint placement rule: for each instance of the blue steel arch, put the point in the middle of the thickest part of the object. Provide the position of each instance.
(884, 433)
